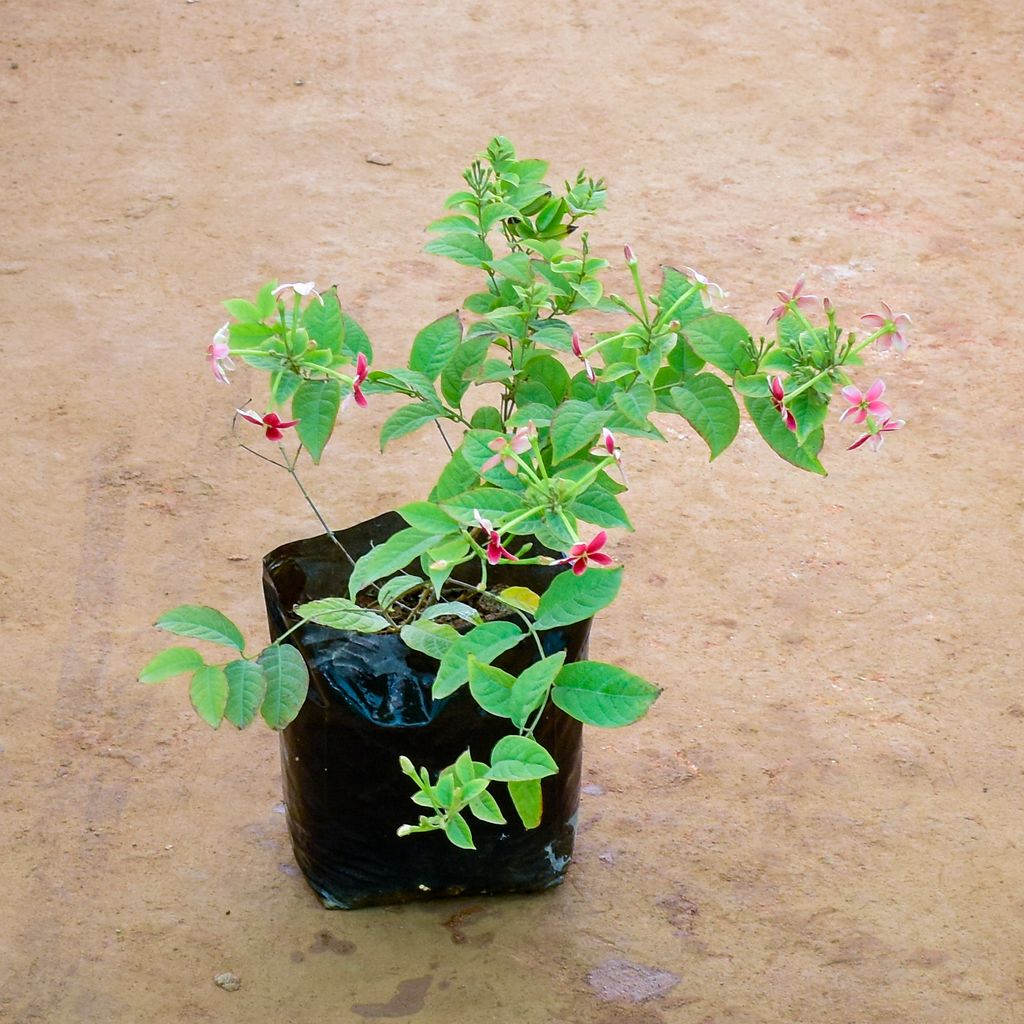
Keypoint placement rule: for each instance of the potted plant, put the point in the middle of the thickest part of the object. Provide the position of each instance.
(438, 652)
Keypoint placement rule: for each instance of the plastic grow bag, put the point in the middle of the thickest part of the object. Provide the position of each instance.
(369, 701)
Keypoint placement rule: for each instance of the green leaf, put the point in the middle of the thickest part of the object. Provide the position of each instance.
(175, 661)
(458, 609)
(435, 345)
(811, 411)
(428, 517)
(528, 799)
(589, 291)
(572, 598)
(531, 688)
(354, 340)
(782, 440)
(708, 405)
(673, 286)
(544, 372)
(575, 426)
(453, 222)
(287, 683)
(202, 623)
(491, 502)
(636, 404)
(462, 246)
(265, 301)
(315, 405)
(453, 377)
(485, 643)
(394, 554)
(518, 758)
(515, 266)
(394, 588)
(458, 832)
(338, 613)
(433, 639)
(486, 418)
(406, 420)
(491, 688)
(486, 808)
(455, 478)
(323, 321)
(243, 310)
(283, 385)
(209, 693)
(605, 695)
(720, 340)
(247, 686)
(600, 507)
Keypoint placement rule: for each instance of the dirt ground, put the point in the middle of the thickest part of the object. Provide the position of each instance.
(821, 820)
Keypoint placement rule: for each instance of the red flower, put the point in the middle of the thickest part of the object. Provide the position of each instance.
(876, 435)
(362, 371)
(271, 421)
(580, 555)
(777, 393)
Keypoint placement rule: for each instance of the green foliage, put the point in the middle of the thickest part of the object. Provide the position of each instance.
(602, 695)
(337, 613)
(394, 554)
(209, 693)
(247, 686)
(434, 639)
(202, 623)
(485, 642)
(719, 340)
(514, 363)
(287, 682)
(527, 798)
(572, 598)
(518, 758)
(782, 440)
(175, 661)
(707, 403)
(315, 405)
(435, 345)
(575, 426)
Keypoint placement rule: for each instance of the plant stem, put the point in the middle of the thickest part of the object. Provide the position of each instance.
(309, 501)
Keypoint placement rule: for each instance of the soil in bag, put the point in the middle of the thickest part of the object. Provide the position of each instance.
(369, 701)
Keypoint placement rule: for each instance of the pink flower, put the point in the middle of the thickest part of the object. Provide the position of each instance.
(577, 350)
(300, 288)
(627, 251)
(892, 326)
(362, 371)
(702, 282)
(271, 421)
(792, 299)
(862, 404)
(608, 444)
(777, 393)
(495, 549)
(218, 355)
(580, 555)
(505, 448)
(496, 552)
(875, 437)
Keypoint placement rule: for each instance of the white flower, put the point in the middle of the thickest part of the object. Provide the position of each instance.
(301, 288)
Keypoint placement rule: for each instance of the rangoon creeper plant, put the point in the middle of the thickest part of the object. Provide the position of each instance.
(536, 471)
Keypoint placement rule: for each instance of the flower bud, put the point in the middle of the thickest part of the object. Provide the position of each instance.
(827, 303)
(627, 251)
(577, 349)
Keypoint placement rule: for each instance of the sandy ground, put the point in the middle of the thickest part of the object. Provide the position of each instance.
(821, 822)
